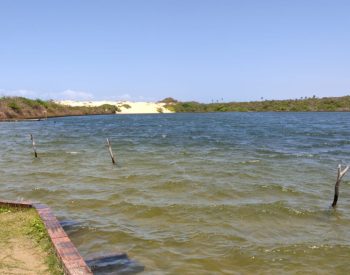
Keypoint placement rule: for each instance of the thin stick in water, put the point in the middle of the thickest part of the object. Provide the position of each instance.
(110, 150)
(33, 144)
(341, 173)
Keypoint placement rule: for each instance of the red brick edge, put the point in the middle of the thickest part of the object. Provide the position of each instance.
(72, 262)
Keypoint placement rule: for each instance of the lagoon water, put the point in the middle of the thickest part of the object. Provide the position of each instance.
(221, 193)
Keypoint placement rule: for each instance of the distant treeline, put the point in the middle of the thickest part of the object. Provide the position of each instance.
(24, 108)
(313, 104)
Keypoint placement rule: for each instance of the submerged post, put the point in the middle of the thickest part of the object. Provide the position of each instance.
(33, 144)
(341, 173)
(110, 150)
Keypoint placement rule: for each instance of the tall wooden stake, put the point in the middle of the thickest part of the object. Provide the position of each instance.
(110, 150)
(33, 144)
(340, 175)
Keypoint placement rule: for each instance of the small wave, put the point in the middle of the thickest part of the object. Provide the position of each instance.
(46, 174)
(45, 194)
(281, 209)
(249, 161)
(277, 188)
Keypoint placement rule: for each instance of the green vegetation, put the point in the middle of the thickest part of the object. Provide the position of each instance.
(326, 104)
(24, 108)
(168, 100)
(111, 109)
(126, 106)
(26, 247)
(14, 106)
(37, 231)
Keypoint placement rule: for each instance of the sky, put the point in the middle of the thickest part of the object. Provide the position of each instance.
(208, 50)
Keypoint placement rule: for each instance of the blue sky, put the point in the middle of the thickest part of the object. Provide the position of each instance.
(190, 50)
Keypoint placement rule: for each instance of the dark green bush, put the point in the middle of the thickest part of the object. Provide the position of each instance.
(14, 106)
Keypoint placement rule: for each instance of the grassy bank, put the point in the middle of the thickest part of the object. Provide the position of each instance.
(326, 104)
(25, 245)
(24, 108)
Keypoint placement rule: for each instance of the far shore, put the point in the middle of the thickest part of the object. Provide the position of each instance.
(36, 119)
(124, 107)
(20, 108)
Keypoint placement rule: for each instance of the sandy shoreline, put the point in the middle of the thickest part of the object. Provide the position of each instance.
(126, 107)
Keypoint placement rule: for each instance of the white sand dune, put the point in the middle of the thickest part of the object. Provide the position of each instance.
(126, 107)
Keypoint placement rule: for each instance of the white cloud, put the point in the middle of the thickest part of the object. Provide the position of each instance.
(69, 94)
(129, 97)
(65, 95)
(75, 95)
(124, 97)
(20, 92)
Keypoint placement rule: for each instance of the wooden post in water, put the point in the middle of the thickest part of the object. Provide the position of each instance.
(110, 150)
(340, 175)
(33, 144)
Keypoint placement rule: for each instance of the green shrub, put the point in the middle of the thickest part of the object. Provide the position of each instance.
(168, 100)
(126, 106)
(38, 232)
(108, 108)
(14, 106)
(42, 103)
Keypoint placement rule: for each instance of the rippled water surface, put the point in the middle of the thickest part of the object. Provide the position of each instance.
(192, 193)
